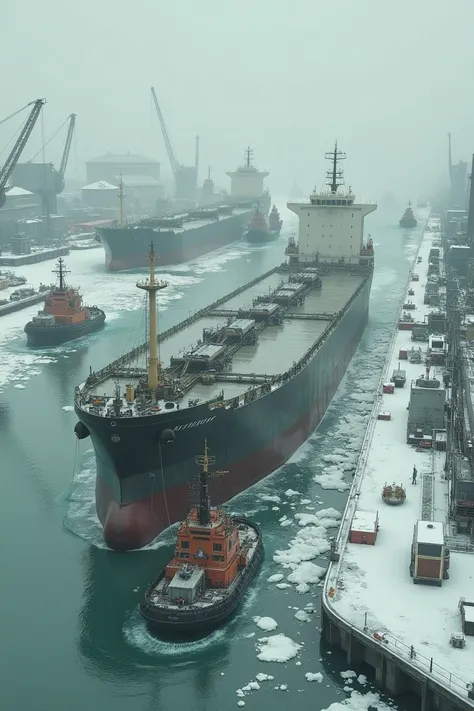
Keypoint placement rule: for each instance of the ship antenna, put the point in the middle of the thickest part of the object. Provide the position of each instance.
(335, 176)
(249, 153)
(61, 271)
(152, 286)
(204, 460)
(121, 197)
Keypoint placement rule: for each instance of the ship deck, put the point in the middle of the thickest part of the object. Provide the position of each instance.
(370, 587)
(277, 347)
(196, 224)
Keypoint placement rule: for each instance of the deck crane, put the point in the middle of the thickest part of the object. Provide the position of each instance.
(185, 176)
(43, 178)
(20, 143)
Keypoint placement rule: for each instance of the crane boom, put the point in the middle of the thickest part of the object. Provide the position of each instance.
(174, 163)
(67, 145)
(20, 143)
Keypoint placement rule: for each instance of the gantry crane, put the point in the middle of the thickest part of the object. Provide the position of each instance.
(43, 178)
(20, 143)
(185, 176)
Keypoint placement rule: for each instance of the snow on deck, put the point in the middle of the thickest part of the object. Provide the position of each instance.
(372, 583)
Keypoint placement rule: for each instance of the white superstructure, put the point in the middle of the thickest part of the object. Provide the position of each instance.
(331, 224)
(247, 181)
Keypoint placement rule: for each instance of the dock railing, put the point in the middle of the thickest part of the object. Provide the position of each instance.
(406, 652)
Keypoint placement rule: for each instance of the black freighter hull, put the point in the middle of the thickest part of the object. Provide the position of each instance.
(142, 482)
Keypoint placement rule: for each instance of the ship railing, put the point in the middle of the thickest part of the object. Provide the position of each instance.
(409, 653)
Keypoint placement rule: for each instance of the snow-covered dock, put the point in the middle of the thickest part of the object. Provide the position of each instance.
(371, 606)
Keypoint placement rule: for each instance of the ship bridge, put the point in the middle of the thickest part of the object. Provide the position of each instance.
(331, 223)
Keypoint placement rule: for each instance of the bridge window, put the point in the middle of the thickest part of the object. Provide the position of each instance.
(217, 546)
(184, 555)
(184, 544)
(219, 558)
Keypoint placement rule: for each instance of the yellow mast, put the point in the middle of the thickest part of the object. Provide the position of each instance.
(121, 197)
(152, 286)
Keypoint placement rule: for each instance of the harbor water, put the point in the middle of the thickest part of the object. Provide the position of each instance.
(71, 633)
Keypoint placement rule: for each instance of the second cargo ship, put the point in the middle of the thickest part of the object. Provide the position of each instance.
(266, 363)
(180, 237)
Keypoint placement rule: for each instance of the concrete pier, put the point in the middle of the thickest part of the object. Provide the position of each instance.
(392, 673)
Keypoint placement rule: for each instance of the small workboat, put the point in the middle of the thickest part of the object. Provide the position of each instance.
(393, 494)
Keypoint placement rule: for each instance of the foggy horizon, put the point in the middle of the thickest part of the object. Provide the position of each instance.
(288, 79)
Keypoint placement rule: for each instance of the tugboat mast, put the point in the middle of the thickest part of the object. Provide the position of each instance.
(152, 286)
(335, 177)
(61, 271)
(204, 460)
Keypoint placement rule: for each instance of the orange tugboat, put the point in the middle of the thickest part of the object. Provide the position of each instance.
(64, 317)
(216, 557)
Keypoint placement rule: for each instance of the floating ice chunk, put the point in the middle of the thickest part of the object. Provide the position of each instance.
(240, 703)
(302, 588)
(291, 492)
(266, 623)
(317, 676)
(282, 687)
(302, 616)
(278, 648)
(19, 386)
(285, 523)
(276, 578)
(306, 573)
(283, 586)
(267, 497)
(264, 677)
(275, 508)
(349, 674)
(305, 501)
(362, 679)
(68, 408)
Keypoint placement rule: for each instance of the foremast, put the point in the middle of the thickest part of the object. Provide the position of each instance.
(121, 196)
(152, 286)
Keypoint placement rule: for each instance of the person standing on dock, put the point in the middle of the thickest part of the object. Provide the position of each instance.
(414, 475)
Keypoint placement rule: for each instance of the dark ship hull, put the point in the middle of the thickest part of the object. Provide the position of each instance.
(142, 485)
(127, 248)
(43, 336)
(261, 236)
(408, 222)
(190, 621)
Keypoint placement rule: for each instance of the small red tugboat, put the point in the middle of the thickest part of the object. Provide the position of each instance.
(64, 317)
(215, 559)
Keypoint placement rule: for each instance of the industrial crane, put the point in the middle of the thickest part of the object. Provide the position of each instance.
(185, 176)
(67, 149)
(43, 178)
(20, 143)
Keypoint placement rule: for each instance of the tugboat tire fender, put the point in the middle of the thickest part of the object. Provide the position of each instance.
(81, 431)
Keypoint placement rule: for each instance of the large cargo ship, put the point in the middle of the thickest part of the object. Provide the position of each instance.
(268, 361)
(180, 237)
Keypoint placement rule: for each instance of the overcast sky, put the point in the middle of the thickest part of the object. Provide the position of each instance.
(387, 79)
